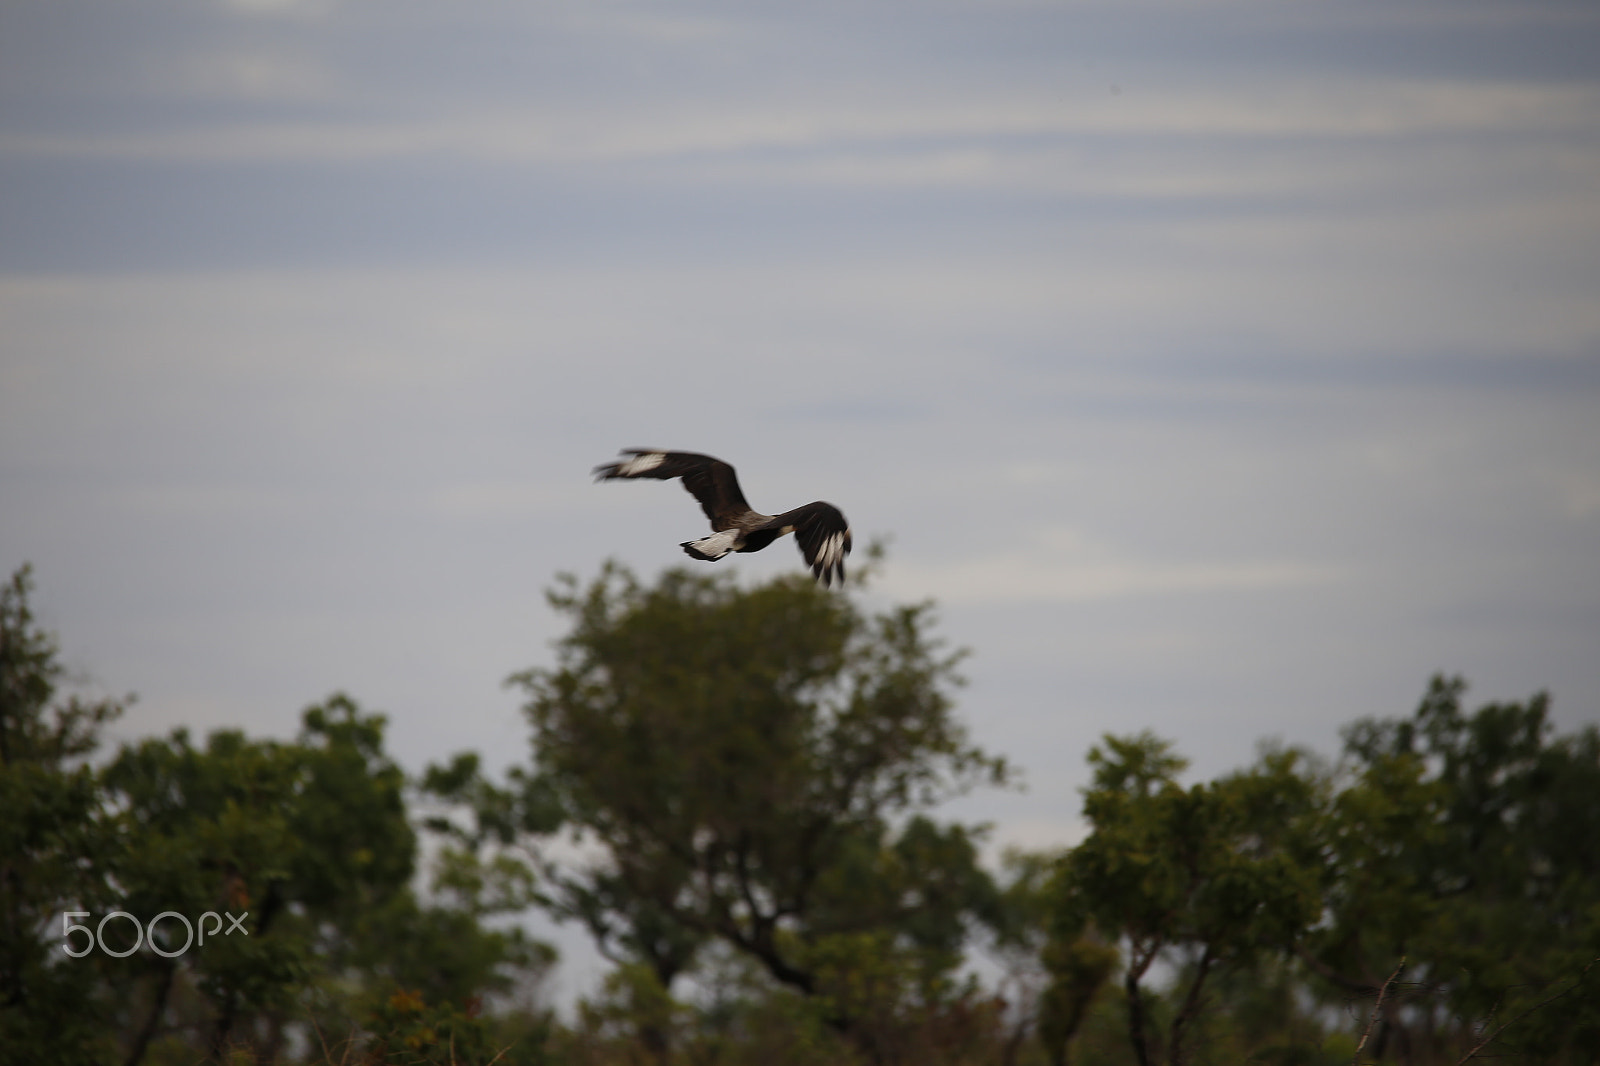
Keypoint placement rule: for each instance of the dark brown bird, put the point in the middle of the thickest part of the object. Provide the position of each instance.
(819, 528)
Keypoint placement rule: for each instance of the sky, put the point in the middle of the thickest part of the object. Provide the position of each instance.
(1224, 369)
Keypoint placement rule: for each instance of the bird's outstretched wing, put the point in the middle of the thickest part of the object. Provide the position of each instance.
(709, 480)
(823, 535)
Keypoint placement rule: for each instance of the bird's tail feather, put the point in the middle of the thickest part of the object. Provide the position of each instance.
(710, 548)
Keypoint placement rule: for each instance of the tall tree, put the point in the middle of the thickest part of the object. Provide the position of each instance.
(746, 759)
(1211, 875)
(305, 837)
(1465, 842)
(310, 843)
(58, 844)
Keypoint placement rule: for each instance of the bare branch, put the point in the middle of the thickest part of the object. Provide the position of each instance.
(1377, 1010)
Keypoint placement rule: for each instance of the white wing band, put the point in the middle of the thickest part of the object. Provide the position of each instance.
(641, 464)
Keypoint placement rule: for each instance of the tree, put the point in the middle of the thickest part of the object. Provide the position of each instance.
(57, 842)
(1218, 872)
(1459, 843)
(746, 760)
(306, 837)
(312, 842)
(1466, 844)
(307, 842)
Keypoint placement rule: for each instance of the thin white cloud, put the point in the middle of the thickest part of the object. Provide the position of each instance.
(579, 133)
(1063, 566)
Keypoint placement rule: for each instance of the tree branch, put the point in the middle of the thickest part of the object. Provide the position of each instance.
(1377, 1009)
(152, 1021)
(1486, 1041)
(1191, 1007)
(1136, 967)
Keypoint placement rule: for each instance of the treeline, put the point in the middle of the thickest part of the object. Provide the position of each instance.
(733, 790)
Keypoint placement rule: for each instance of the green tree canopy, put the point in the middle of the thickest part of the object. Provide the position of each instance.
(55, 840)
(1467, 844)
(1463, 844)
(307, 842)
(752, 771)
(1214, 873)
(748, 760)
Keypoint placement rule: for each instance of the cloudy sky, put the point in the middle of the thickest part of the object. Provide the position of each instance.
(1223, 368)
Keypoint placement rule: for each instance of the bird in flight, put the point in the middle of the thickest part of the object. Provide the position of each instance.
(820, 530)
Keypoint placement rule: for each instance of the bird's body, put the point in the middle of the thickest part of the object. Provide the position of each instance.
(820, 529)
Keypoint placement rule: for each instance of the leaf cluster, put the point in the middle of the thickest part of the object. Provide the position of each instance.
(1458, 843)
(749, 762)
(308, 842)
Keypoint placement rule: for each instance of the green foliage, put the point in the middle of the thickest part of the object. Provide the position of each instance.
(307, 842)
(1078, 967)
(634, 1017)
(1465, 843)
(1218, 871)
(751, 771)
(740, 756)
(55, 838)
(742, 1016)
(1462, 843)
(409, 1030)
(305, 837)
